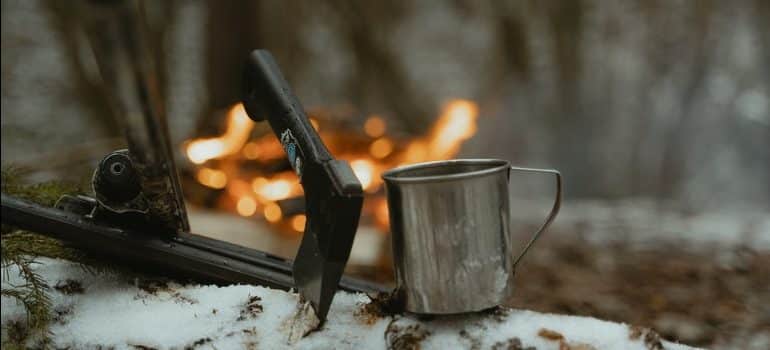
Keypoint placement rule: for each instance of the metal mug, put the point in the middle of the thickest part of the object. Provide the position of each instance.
(451, 235)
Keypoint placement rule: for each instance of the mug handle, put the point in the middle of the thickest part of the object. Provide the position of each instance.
(554, 209)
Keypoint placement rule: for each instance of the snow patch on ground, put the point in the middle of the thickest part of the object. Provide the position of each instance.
(646, 222)
(112, 311)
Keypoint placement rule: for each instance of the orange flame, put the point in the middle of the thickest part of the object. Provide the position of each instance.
(381, 148)
(298, 222)
(455, 124)
(364, 170)
(273, 212)
(251, 150)
(279, 186)
(237, 132)
(212, 178)
(381, 214)
(246, 206)
(275, 190)
(374, 126)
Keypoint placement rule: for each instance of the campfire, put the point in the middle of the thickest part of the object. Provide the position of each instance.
(252, 177)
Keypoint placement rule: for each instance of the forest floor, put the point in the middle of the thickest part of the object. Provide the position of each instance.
(714, 297)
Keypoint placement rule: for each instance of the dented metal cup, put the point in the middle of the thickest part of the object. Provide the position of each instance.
(452, 245)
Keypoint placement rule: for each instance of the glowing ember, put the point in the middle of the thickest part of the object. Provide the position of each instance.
(212, 178)
(273, 212)
(237, 188)
(238, 129)
(364, 171)
(298, 222)
(246, 206)
(265, 148)
(258, 183)
(374, 126)
(251, 150)
(381, 148)
(275, 190)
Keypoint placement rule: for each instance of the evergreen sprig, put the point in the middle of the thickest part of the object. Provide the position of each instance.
(20, 251)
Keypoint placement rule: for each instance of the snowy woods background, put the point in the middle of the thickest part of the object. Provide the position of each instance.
(629, 98)
(656, 112)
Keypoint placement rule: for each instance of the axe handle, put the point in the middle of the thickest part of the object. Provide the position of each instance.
(333, 194)
(268, 96)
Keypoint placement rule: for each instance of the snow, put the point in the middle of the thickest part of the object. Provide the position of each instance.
(113, 311)
(645, 222)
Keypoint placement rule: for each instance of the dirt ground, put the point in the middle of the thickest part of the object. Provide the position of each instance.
(712, 298)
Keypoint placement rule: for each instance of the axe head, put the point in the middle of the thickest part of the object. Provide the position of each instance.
(333, 194)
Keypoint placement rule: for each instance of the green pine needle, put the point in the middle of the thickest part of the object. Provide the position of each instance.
(20, 249)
